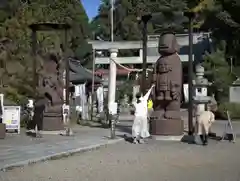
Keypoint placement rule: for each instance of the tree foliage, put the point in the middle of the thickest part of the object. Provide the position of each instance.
(167, 15)
(219, 73)
(221, 18)
(218, 16)
(15, 39)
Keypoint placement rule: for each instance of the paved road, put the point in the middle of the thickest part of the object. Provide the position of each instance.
(155, 161)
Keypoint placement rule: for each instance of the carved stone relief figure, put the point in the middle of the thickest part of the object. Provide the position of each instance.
(167, 77)
(50, 87)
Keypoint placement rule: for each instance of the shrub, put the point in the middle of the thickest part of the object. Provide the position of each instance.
(219, 74)
(232, 108)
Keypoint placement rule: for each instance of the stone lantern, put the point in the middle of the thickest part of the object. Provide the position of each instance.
(200, 84)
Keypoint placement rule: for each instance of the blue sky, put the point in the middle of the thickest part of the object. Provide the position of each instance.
(91, 7)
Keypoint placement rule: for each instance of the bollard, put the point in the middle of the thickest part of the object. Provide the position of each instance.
(113, 129)
(113, 126)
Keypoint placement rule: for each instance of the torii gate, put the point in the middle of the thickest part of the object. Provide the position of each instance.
(114, 47)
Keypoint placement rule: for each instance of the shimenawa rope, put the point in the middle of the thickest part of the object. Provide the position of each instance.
(129, 69)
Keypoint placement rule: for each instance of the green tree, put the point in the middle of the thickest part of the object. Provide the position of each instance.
(221, 17)
(219, 73)
(202, 8)
(15, 52)
(166, 15)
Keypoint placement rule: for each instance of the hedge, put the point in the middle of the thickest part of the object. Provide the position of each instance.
(232, 108)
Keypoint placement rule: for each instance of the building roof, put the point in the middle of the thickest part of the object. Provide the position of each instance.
(79, 74)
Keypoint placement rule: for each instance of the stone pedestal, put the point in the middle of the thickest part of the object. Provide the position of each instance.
(166, 127)
(2, 131)
(52, 123)
(48, 120)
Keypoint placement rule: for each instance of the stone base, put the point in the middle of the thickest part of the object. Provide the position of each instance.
(167, 138)
(2, 131)
(167, 127)
(52, 124)
(67, 132)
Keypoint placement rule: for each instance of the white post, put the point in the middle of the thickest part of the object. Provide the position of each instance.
(112, 78)
(112, 105)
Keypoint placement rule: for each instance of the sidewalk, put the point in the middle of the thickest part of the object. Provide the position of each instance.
(20, 150)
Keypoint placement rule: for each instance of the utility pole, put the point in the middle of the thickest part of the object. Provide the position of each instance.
(66, 69)
(144, 19)
(93, 81)
(112, 27)
(190, 16)
(34, 52)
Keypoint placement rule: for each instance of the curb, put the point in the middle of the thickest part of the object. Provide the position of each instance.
(59, 155)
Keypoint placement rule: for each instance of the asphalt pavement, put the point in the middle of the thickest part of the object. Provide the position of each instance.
(153, 161)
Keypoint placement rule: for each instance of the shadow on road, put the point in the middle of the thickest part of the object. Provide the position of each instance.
(188, 139)
(127, 138)
(124, 128)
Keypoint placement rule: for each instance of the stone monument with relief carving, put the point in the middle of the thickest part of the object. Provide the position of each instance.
(48, 107)
(167, 77)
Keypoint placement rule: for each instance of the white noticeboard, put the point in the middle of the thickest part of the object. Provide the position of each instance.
(11, 118)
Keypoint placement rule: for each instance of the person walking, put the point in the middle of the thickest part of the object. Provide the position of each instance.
(140, 123)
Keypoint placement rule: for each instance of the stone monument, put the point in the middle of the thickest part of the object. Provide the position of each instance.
(48, 82)
(50, 88)
(167, 77)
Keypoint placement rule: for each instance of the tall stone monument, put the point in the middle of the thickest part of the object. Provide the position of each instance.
(48, 82)
(167, 77)
(50, 88)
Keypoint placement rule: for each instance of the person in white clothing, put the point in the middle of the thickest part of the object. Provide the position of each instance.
(140, 123)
